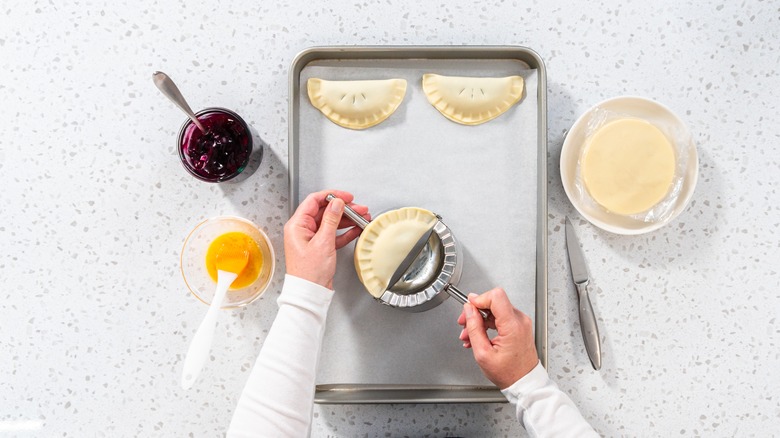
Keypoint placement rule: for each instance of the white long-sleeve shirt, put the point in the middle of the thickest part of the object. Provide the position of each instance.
(278, 399)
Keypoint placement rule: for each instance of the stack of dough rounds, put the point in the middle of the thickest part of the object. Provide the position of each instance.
(385, 242)
(628, 166)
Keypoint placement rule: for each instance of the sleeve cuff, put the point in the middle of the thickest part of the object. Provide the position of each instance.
(303, 292)
(532, 381)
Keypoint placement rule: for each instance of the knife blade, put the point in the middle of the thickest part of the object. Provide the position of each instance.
(581, 277)
(410, 258)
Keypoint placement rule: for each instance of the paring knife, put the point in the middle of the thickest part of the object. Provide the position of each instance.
(579, 273)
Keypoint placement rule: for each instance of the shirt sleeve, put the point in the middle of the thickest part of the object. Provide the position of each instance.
(543, 409)
(279, 397)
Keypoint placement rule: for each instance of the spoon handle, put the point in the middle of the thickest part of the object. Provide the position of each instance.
(201, 342)
(166, 85)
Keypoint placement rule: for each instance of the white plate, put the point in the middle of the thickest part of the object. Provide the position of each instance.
(634, 106)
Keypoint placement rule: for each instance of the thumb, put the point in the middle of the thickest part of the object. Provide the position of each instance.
(475, 326)
(330, 220)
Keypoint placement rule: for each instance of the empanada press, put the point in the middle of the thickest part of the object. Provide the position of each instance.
(408, 259)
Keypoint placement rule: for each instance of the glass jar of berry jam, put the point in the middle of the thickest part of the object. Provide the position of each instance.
(219, 154)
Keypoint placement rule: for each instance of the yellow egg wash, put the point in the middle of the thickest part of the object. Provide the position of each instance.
(236, 241)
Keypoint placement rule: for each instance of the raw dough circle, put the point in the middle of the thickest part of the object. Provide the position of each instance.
(628, 166)
(385, 242)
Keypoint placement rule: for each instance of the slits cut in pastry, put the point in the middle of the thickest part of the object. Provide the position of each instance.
(356, 104)
(385, 242)
(472, 100)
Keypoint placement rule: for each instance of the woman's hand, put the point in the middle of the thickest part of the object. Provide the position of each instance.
(311, 238)
(511, 354)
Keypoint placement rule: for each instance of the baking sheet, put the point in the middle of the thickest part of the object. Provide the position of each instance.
(481, 179)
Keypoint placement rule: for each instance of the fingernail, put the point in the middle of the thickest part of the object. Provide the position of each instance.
(336, 205)
(469, 309)
(473, 295)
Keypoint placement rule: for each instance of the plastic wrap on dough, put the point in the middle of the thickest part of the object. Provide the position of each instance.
(680, 140)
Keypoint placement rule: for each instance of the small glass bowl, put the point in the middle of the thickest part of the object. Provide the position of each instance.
(193, 261)
(229, 141)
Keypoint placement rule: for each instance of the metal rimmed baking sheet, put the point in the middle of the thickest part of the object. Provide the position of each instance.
(488, 183)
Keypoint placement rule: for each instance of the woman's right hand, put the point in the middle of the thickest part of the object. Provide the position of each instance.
(509, 355)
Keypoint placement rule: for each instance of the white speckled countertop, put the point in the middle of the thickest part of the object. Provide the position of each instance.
(94, 207)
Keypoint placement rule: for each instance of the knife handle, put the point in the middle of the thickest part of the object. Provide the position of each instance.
(590, 330)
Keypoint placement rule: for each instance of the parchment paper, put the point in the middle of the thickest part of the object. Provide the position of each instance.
(482, 181)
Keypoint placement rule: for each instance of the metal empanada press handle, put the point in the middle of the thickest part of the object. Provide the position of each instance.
(352, 214)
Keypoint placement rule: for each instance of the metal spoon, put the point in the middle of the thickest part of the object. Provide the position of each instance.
(165, 84)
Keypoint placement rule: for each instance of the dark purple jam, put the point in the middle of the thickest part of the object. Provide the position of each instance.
(220, 153)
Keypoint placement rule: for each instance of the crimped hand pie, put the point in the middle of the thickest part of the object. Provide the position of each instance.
(356, 104)
(472, 100)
